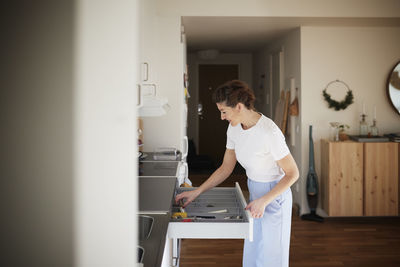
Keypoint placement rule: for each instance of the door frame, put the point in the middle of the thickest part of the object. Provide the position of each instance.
(245, 65)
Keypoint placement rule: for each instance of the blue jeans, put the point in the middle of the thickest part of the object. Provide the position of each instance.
(271, 235)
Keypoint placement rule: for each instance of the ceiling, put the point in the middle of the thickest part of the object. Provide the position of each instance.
(247, 34)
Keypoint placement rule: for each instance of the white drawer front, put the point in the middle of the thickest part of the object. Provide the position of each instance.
(234, 222)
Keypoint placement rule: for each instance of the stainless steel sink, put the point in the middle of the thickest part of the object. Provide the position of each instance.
(140, 254)
(152, 235)
(145, 226)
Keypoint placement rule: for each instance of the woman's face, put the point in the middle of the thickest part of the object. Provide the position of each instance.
(228, 113)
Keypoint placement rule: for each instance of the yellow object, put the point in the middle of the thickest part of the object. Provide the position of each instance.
(185, 185)
(178, 215)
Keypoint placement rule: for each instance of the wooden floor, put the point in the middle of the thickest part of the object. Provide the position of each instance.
(336, 242)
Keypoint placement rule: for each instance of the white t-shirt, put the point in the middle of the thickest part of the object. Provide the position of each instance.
(258, 148)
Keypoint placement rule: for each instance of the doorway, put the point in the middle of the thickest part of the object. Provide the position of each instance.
(212, 130)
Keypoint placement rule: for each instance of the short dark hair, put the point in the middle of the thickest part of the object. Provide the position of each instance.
(233, 92)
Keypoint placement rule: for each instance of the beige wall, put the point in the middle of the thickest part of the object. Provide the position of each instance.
(362, 57)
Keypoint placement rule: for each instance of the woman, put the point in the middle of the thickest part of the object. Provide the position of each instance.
(258, 144)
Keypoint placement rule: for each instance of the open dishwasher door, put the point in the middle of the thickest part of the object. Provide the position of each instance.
(217, 213)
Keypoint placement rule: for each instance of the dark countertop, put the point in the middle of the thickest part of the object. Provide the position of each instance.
(156, 195)
(158, 168)
(154, 245)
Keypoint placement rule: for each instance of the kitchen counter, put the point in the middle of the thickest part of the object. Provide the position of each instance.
(228, 218)
(158, 168)
(156, 195)
(154, 245)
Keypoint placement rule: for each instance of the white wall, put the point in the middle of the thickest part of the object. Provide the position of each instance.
(105, 141)
(290, 45)
(245, 74)
(362, 57)
(261, 66)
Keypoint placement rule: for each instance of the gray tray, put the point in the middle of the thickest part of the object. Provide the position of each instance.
(216, 199)
(363, 138)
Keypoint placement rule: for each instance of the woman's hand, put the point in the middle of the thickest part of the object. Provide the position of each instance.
(189, 196)
(257, 207)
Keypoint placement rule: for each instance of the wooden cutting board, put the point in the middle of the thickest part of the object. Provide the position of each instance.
(281, 111)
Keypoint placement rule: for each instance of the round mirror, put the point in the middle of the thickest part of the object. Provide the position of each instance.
(393, 87)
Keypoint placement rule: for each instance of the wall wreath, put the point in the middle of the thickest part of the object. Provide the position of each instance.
(338, 105)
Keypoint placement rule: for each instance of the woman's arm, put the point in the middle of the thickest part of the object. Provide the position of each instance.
(289, 166)
(215, 179)
(221, 173)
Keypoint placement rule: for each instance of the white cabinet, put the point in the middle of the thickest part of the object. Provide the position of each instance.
(168, 254)
(147, 45)
(150, 104)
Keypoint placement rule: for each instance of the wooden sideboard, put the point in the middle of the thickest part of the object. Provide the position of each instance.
(360, 179)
